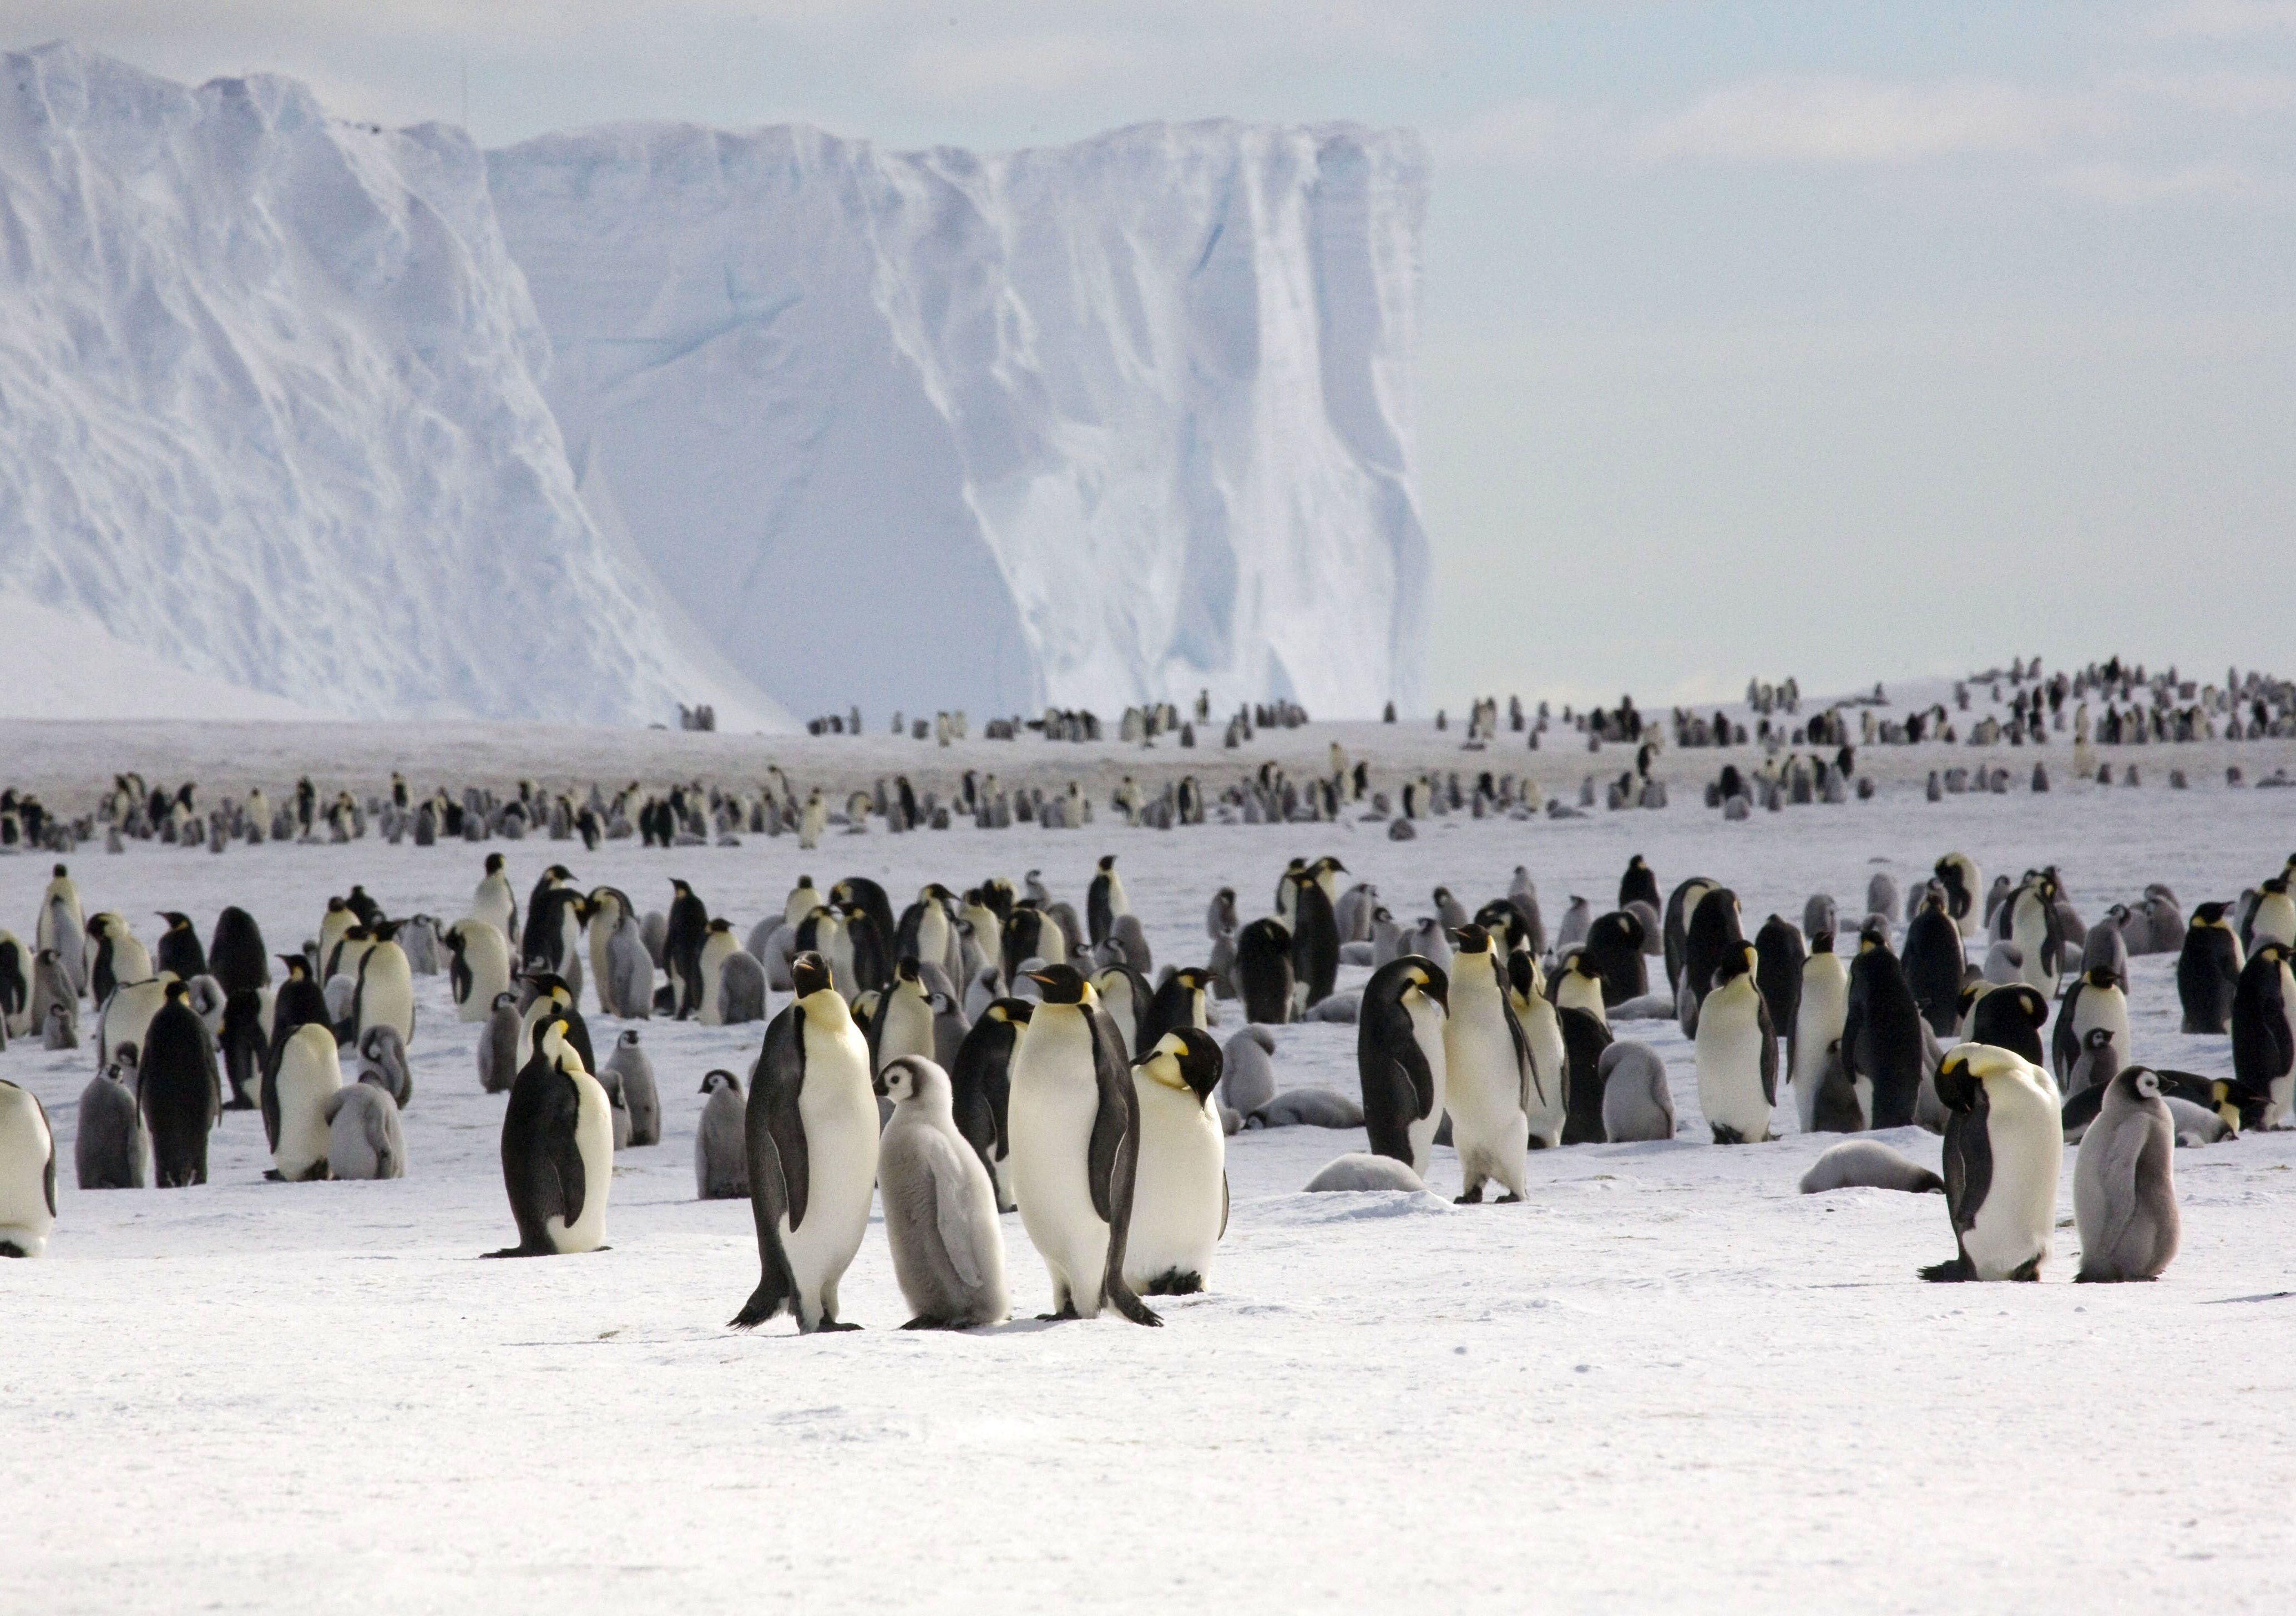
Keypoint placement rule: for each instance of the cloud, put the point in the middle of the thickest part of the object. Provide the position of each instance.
(2223, 20)
(1511, 135)
(1835, 122)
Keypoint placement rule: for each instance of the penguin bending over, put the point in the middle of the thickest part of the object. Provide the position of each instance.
(557, 1151)
(2003, 1147)
(940, 1208)
(2094, 1002)
(811, 1126)
(1180, 1199)
(1074, 1121)
(1183, 1000)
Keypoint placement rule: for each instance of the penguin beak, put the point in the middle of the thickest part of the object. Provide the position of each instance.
(877, 1084)
(1040, 979)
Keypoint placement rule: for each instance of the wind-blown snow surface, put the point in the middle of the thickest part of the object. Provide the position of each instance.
(268, 411)
(1087, 425)
(1667, 1382)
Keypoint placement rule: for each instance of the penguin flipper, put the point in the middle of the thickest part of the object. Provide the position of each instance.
(774, 1138)
(563, 1112)
(1114, 1163)
(1769, 1051)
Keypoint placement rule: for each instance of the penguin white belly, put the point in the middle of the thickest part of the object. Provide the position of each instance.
(486, 957)
(309, 1072)
(26, 1148)
(594, 1137)
(2275, 921)
(386, 994)
(2029, 930)
(1048, 1123)
(1576, 992)
(1729, 1049)
(837, 953)
(2026, 1134)
(1427, 1027)
(2108, 1010)
(838, 1110)
(713, 965)
(1116, 998)
(1550, 1064)
(908, 1026)
(1179, 1197)
(933, 935)
(2281, 1097)
(1484, 1094)
(1818, 1022)
(493, 903)
(602, 932)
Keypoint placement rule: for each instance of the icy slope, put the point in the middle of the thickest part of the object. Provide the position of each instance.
(268, 411)
(1082, 425)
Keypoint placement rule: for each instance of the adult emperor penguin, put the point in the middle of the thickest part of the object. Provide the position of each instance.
(299, 1003)
(1265, 977)
(718, 945)
(181, 1092)
(1183, 1000)
(494, 902)
(478, 967)
(1314, 942)
(60, 915)
(2029, 919)
(1399, 1057)
(859, 892)
(1617, 944)
(2125, 1184)
(1104, 900)
(1180, 1202)
(1778, 946)
(903, 1022)
(981, 1082)
(1490, 1085)
(1737, 1054)
(16, 971)
(721, 1156)
(552, 998)
(1820, 1017)
(2263, 1030)
(386, 986)
(236, 954)
(1680, 905)
(1543, 1031)
(812, 1131)
(557, 1151)
(295, 1103)
(940, 1208)
(179, 950)
(803, 900)
(1125, 995)
(927, 931)
(118, 959)
(689, 927)
(1640, 883)
(1882, 1033)
(1074, 1121)
(2208, 970)
(1934, 962)
(2011, 1018)
(1714, 934)
(1958, 874)
(28, 1173)
(2274, 918)
(2004, 1147)
(617, 946)
(2093, 1001)
(1579, 986)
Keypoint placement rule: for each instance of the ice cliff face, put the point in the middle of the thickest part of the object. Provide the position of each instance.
(268, 410)
(1086, 426)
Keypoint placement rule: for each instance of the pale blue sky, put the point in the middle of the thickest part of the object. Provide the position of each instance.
(1845, 339)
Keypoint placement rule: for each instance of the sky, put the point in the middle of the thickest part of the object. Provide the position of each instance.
(1845, 340)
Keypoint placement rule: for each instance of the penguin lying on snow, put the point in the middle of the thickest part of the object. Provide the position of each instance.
(1868, 1164)
(1358, 1173)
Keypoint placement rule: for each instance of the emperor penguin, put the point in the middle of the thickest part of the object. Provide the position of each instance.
(129, 1010)
(236, 953)
(61, 926)
(940, 1208)
(295, 1103)
(721, 1158)
(927, 930)
(689, 928)
(1820, 1017)
(1104, 900)
(1639, 883)
(557, 1151)
(1680, 905)
(2208, 970)
(811, 1125)
(180, 1090)
(340, 921)
(903, 1022)
(28, 1173)
(1183, 1000)
(1637, 1103)
(1124, 994)
(803, 900)
(2031, 920)
(2274, 918)
(2094, 1002)
(2011, 1018)
(112, 1149)
(1579, 986)
(1073, 1119)
(16, 973)
(1265, 975)
(2005, 1145)
(1934, 962)
(478, 968)
(1578, 914)
(1287, 887)
(1958, 874)
(1737, 1054)
(1544, 1031)
(2263, 1030)
(1714, 934)
(494, 902)
(622, 990)
(1314, 942)
(1778, 944)
(1618, 944)
(1882, 1033)
(981, 1084)
(119, 960)
(718, 945)
(2124, 1182)
(1180, 1199)
(179, 950)
(812, 821)
(386, 986)
(498, 1045)
(633, 1069)
(552, 998)
(1490, 1085)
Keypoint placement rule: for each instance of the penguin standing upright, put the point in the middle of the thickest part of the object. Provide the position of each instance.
(1934, 963)
(2030, 918)
(980, 1085)
(1314, 942)
(2263, 1030)
(2124, 1184)
(1881, 1034)
(478, 967)
(63, 927)
(1820, 1016)
(1638, 884)
(941, 1208)
(812, 1125)
(16, 971)
(718, 945)
(119, 959)
(1183, 1000)
(1490, 1085)
(1958, 874)
(180, 1090)
(295, 1103)
(721, 1158)
(632, 1070)
(28, 1173)
(2208, 970)
(1265, 974)
(1778, 946)
(1551, 1061)
(689, 927)
(2004, 1145)
(1074, 1121)
(1399, 1057)
(1180, 1195)
(1737, 1053)
(112, 1149)
(1675, 928)
(903, 1022)
(179, 950)
(494, 902)
(2273, 918)
(1104, 900)
(557, 1151)
(385, 996)
(2094, 1002)
(619, 969)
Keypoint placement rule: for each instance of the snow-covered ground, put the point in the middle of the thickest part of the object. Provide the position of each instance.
(1667, 1381)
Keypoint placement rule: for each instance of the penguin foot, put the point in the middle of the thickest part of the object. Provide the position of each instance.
(239, 1102)
(1065, 1316)
(1951, 1273)
(1473, 1197)
(8, 1248)
(273, 1176)
(1509, 1199)
(1172, 1282)
(830, 1325)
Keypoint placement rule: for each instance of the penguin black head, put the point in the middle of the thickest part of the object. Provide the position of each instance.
(1579, 962)
(506, 1001)
(1522, 973)
(1195, 979)
(2210, 915)
(1107, 861)
(629, 1039)
(717, 1080)
(1735, 964)
(175, 923)
(1186, 1057)
(809, 974)
(336, 905)
(175, 992)
(1330, 866)
(2275, 883)
(906, 969)
(1933, 898)
(2098, 1038)
(1873, 934)
(550, 984)
(680, 888)
(2137, 1082)
(494, 864)
(721, 924)
(1472, 938)
(62, 873)
(2101, 976)
(297, 966)
(842, 892)
(1062, 984)
(550, 1039)
(1428, 979)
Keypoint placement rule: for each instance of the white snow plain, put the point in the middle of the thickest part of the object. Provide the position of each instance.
(1667, 1382)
